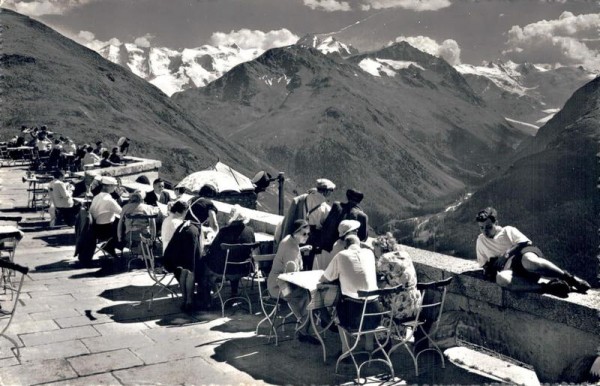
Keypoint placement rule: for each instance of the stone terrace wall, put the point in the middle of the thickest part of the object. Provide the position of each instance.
(553, 335)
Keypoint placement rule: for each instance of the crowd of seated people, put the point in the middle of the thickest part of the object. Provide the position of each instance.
(54, 151)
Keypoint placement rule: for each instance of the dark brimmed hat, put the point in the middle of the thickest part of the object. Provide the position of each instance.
(354, 195)
(299, 224)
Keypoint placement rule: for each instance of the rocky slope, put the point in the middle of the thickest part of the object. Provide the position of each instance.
(49, 79)
(400, 124)
(549, 192)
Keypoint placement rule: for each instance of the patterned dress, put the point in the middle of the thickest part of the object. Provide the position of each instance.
(397, 269)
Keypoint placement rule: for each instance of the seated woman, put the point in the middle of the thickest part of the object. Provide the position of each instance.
(172, 221)
(396, 267)
(235, 232)
(131, 229)
(182, 258)
(289, 259)
(203, 211)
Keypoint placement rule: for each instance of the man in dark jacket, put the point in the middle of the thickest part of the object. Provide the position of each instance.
(158, 195)
(344, 211)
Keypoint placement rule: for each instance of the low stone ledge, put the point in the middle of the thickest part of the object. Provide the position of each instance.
(547, 332)
(130, 171)
(578, 311)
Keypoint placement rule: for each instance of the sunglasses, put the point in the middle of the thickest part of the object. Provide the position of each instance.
(486, 227)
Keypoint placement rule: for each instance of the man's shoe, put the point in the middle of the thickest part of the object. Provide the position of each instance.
(556, 287)
(305, 338)
(580, 285)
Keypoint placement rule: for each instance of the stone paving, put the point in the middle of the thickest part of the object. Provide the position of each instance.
(81, 326)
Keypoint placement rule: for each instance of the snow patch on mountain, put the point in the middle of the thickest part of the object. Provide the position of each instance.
(522, 123)
(271, 80)
(548, 117)
(389, 67)
(172, 70)
(504, 75)
(329, 45)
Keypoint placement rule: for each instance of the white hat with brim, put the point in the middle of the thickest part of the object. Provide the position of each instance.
(109, 181)
(347, 226)
(324, 183)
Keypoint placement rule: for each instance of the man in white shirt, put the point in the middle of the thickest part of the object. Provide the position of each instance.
(61, 195)
(105, 212)
(355, 268)
(509, 258)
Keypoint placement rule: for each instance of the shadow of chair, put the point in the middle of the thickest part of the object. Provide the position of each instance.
(428, 313)
(6, 316)
(157, 274)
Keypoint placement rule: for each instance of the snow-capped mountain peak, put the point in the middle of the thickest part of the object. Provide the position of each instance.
(328, 45)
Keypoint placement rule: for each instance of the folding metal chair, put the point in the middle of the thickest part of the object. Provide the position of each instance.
(271, 306)
(429, 312)
(224, 277)
(139, 223)
(381, 333)
(6, 315)
(8, 246)
(157, 274)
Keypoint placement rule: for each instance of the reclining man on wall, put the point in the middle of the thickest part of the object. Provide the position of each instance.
(508, 257)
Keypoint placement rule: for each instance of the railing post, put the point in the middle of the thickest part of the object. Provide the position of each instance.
(281, 180)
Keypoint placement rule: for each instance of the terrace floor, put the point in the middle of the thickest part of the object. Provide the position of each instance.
(81, 326)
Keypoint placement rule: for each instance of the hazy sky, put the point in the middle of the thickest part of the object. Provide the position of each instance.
(467, 31)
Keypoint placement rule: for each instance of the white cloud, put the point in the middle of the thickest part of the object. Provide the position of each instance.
(414, 5)
(42, 7)
(567, 40)
(248, 39)
(328, 5)
(88, 39)
(449, 49)
(143, 41)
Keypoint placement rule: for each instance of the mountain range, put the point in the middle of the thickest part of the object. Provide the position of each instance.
(549, 192)
(526, 94)
(177, 70)
(401, 125)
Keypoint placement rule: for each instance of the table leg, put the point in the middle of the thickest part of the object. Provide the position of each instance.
(316, 330)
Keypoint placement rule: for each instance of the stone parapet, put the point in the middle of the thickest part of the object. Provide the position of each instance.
(549, 333)
(134, 168)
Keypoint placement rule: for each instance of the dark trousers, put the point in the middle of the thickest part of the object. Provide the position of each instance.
(108, 232)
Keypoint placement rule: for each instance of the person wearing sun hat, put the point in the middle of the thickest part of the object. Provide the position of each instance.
(340, 211)
(289, 259)
(345, 228)
(311, 206)
(105, 212)
(354, 267)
